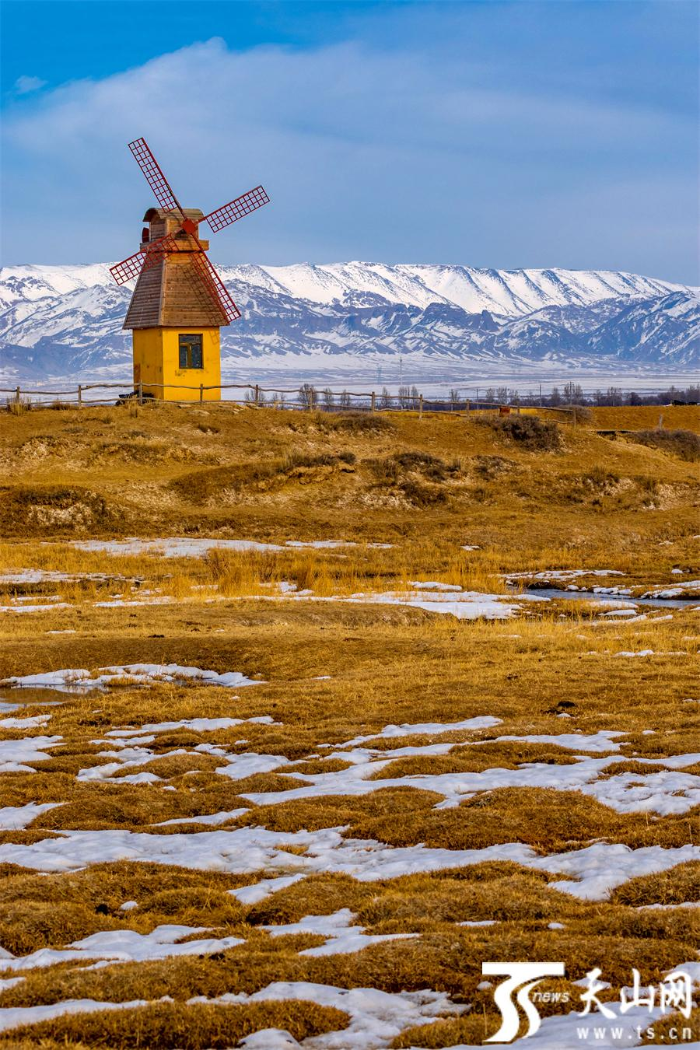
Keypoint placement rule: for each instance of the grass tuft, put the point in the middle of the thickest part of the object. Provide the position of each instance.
(684, 444)
(529, 432)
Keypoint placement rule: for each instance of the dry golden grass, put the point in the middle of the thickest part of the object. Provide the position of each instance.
(330, 671)
(675, 417)
(533, 507)
(174, 1025)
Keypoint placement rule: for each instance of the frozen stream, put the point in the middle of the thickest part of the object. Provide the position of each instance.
(613, 599)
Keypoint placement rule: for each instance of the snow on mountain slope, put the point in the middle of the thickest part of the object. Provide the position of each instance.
(52, 317)
(659, 330)
(510, 293)
(18, 283)
(67, 320)
(334, 282)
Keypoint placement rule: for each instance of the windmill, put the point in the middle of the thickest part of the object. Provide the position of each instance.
(179, 302)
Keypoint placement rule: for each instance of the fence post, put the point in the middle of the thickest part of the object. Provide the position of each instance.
(467, 406)
(373, 402)
(257, 395)
(80, 395)
(140, 392)
(420, 406)
(17, 396)
(311, 400)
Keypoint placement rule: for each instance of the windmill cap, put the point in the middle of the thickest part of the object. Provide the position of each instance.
(163, 213)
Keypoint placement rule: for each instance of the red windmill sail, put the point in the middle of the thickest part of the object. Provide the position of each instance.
(236, 209)
(144, 259)
(154, 176)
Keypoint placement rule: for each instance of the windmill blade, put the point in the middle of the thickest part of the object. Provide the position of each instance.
(143, 260)
(158, 248)
(154, 176)
(129, 268)
(215, 286)
(236, 209)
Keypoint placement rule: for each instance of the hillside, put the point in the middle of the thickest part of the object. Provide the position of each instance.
(60, 321)
(159, 469)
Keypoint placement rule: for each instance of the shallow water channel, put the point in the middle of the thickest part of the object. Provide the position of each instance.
(613, 599)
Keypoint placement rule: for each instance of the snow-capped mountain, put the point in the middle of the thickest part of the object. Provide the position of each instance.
(66, 320)
(511, 293)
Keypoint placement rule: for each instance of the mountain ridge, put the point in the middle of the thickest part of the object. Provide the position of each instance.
(66, 320)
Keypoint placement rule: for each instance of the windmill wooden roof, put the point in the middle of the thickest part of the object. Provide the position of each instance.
(159, 214)
(173, 294)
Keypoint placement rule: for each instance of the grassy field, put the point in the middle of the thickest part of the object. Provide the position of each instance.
(442, 770)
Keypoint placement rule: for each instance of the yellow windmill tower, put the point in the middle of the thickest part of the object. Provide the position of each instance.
(180, 302)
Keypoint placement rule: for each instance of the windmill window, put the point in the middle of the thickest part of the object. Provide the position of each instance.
(191, 351)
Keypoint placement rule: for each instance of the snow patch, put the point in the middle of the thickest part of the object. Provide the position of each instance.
(69, 679)
(116, 946)
(592, 872)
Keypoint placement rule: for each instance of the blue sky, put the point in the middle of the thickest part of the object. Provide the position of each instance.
(505, 134)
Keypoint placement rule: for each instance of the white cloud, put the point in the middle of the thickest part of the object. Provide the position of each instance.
(365, 153)
(25, 85)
